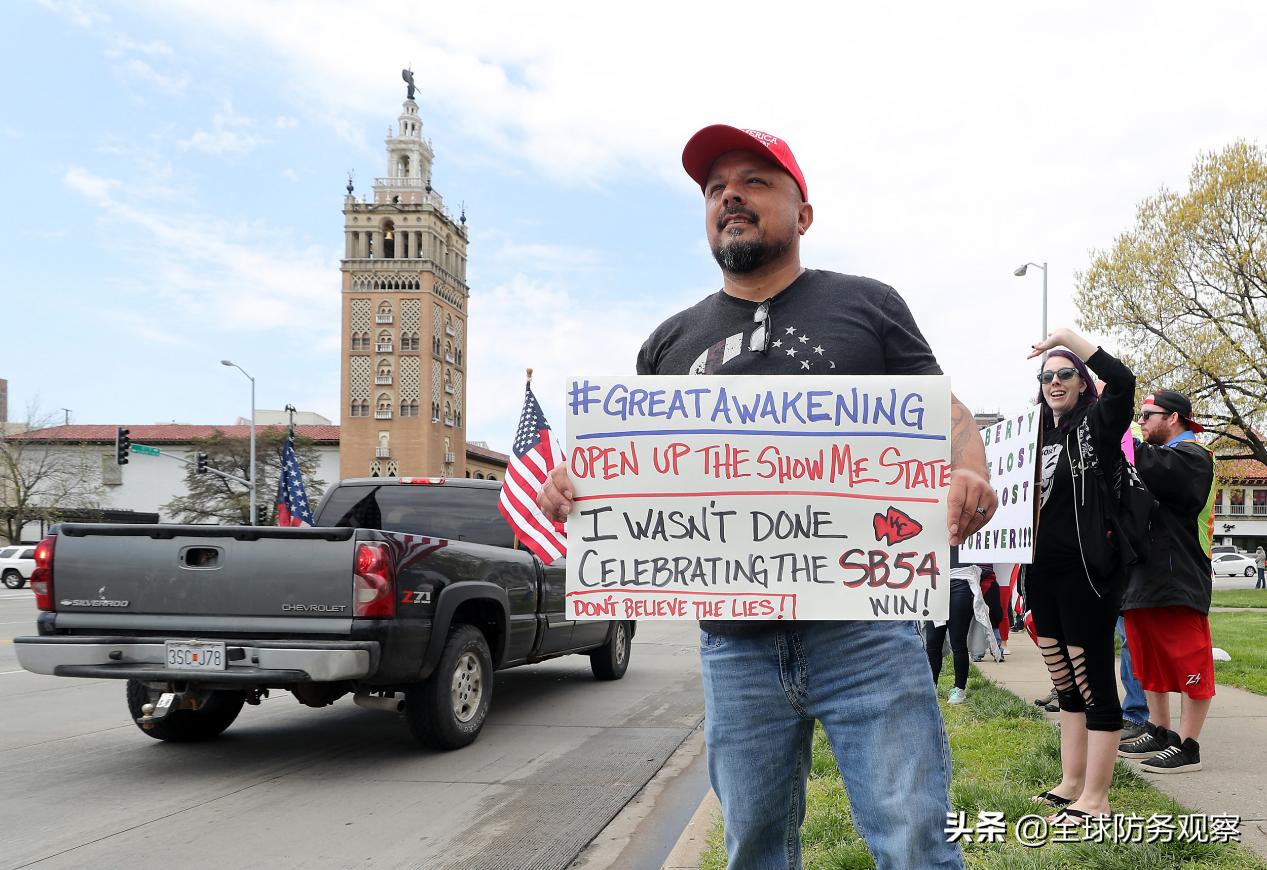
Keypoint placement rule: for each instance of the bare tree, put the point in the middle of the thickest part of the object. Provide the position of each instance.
(43, 479)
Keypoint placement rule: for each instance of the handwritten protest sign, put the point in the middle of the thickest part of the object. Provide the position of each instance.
(1011, 450)
(753, 497)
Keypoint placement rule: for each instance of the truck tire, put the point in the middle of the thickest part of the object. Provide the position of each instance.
(187, 726)
(611, 660)
(447, 710)
(13, 579)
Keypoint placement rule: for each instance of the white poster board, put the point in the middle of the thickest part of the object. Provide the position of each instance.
(755, 497)
(1011, 450)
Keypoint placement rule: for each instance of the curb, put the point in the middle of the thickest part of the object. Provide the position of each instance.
(689, 848)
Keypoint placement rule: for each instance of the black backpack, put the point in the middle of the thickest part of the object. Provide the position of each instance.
(1129, 508)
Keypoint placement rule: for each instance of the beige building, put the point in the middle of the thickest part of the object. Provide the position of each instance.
(404, 320)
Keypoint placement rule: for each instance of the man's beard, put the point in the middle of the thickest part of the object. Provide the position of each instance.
(739, 257)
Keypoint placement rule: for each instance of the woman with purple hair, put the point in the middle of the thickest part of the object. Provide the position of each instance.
(1074, 585)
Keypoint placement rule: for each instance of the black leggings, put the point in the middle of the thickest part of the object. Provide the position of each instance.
(1067, 610)
(960, 621)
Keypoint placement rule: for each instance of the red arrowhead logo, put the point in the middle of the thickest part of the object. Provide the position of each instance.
(895, 526)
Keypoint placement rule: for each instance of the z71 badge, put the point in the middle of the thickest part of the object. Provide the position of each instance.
(416, 596)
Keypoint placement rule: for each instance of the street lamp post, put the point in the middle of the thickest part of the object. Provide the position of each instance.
(231, 364)
(1020, 273)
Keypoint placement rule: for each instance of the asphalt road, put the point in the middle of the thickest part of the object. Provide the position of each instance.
(291, 786)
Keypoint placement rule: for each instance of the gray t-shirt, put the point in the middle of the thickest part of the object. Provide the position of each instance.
(822, 323)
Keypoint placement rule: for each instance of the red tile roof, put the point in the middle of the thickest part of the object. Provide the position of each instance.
(1242, 471)
(486, 455)
(184, 433)
(167, 433)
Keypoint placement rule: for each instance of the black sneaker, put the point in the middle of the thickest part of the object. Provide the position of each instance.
(1049, 698)
(1152, 741)
(1184, 758)
(1130, 731)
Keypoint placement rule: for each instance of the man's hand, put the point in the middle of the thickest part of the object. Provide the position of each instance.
(970, 494)
(555, 496)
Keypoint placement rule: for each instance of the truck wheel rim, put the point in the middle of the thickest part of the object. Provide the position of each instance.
(468, 687)
(620, 644)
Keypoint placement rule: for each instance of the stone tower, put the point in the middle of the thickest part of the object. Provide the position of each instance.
(404, 319)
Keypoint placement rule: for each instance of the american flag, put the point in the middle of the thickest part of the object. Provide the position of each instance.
(292, 500)
(534, 454)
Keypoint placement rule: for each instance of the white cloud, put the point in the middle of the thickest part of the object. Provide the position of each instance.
(529, 323)
(217, 273)
(229, 134)
(944, 144)
(285, 122)
(75, 12)
(542, 257)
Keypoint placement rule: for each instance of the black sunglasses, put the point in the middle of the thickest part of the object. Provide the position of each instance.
(760, 338)
(1143, 417)
(1065, 374)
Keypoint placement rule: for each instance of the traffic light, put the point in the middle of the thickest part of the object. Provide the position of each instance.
(122, 445)
(201, 464)
(261, 515)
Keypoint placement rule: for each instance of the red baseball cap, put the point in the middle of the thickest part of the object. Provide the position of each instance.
(703, 149)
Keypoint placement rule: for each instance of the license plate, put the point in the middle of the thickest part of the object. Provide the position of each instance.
(195, 655)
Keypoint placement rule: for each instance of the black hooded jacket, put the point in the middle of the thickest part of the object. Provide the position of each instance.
(1091, 441)
(1176, 571)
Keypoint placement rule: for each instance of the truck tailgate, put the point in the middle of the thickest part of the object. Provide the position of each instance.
(204, 571)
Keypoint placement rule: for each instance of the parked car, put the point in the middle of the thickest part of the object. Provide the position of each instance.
(16, 565)
(407, 594)
(1233, 565)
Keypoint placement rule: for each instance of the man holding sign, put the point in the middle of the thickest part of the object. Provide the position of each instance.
(766, 682)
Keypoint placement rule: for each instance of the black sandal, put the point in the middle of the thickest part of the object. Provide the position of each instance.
(1054, 799)
(1070, 816)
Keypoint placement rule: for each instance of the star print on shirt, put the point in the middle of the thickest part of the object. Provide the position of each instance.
(791, 351)
(805, 364)
(791, 330)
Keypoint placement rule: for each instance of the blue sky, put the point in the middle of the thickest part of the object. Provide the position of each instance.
(174, 174)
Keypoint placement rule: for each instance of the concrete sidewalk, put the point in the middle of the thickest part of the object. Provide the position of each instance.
(1233, 775)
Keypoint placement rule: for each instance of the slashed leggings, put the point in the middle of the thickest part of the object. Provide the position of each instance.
(1067, 610)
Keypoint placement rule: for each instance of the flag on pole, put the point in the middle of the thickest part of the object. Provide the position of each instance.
(534, 454)
(292, 499)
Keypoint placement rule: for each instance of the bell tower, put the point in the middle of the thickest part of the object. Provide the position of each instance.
(403, 361)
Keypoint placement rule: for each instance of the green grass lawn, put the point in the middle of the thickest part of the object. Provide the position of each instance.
(1003, 752)
(1244, 636)
(1240, 598)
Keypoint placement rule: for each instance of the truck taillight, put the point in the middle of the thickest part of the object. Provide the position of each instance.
(375, 592)
(42, 575)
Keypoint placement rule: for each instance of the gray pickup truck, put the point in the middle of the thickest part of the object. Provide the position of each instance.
(407, 593)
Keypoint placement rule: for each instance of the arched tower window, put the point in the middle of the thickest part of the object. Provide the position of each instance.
(384, 341)
(389, 240)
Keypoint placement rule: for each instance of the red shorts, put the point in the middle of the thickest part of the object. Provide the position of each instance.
(1171, 650)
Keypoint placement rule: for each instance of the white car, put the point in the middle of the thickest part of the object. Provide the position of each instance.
(16, 565)
(1233, 565)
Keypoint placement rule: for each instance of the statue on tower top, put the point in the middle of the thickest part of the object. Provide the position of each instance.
(408, 76)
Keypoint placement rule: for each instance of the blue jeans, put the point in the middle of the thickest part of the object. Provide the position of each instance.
(1134, 705)
(870, 685)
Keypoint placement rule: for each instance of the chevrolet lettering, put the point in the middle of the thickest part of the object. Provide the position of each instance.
(315, 608)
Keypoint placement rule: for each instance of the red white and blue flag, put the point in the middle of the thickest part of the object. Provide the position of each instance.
(292, 499)
(534, 454)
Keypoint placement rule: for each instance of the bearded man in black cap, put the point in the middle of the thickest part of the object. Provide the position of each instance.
(1167, 599)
